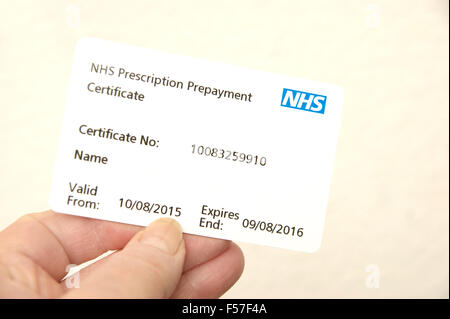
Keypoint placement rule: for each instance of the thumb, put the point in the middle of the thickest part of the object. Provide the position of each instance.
(149, 266)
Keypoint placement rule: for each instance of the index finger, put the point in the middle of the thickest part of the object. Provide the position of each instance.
(54, 240)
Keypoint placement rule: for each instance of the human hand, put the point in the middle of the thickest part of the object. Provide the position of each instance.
(153, 262)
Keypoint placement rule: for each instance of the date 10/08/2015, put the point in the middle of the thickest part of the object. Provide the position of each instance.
(228, 155)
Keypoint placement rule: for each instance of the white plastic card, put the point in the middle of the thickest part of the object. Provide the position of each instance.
(228, 152)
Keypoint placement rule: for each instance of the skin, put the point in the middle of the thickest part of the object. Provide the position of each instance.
(157, 261)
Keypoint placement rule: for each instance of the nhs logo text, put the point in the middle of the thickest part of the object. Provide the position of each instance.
(303, 101)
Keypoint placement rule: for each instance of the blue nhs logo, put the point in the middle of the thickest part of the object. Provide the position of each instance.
(303, 101)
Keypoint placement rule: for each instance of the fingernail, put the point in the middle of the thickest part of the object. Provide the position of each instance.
(164, 233)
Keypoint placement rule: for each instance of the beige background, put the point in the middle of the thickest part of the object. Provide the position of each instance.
(389, 198)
